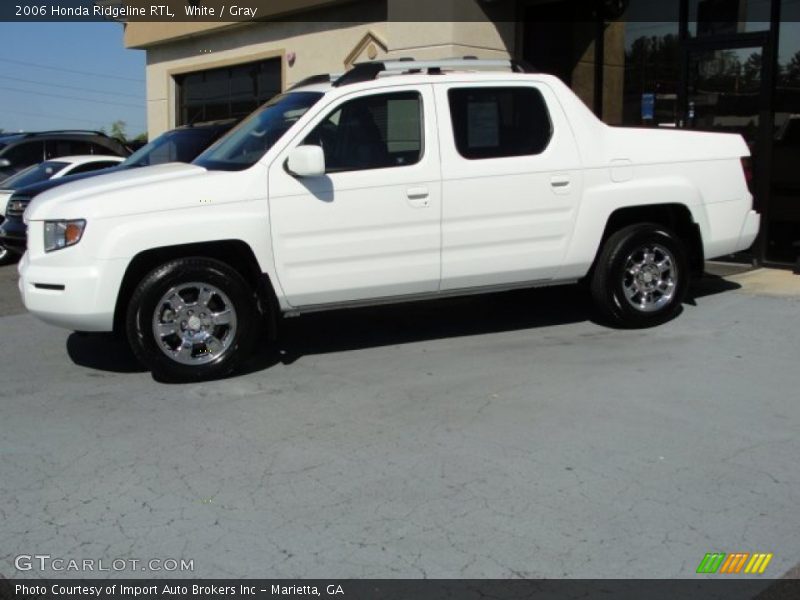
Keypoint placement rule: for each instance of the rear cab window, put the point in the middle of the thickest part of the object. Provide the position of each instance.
(499, 122)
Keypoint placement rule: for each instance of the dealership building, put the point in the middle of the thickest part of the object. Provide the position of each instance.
(717, 65)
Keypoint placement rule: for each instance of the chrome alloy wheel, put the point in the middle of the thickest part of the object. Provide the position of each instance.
(650, 277)
(194, 323)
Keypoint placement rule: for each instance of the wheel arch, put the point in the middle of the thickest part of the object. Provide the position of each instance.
(670, 200)
(235, 253)
(676, 217)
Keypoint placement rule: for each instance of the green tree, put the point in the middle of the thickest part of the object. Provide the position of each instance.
(652, 66)
(118, 129)
(751, 70)
(791, 72)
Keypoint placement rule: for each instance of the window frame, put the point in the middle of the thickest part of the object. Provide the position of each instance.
(460, 87)
(337, 106)
(179, 78)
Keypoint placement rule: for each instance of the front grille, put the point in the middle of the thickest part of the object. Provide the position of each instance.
(16, 206)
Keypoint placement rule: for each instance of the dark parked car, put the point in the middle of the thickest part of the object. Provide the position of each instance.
(19, 151)
(183, 144)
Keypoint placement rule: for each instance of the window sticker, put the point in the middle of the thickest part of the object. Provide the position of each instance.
(483, 125)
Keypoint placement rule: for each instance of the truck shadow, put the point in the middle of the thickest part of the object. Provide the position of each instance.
(343, 330)
(320, 333)
(373, 327)
(103, 352)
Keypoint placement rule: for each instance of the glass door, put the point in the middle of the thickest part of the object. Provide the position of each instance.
(725, 92)
(782, 227)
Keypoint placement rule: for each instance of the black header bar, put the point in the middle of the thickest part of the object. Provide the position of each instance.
(229, 11)
(722, 588)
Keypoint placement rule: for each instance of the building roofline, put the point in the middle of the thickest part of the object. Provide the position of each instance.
(145, 34)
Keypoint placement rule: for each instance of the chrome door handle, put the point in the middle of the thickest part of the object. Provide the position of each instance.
(418, 197)
(416, 193)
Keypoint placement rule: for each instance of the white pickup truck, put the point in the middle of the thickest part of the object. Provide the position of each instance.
(398, 181)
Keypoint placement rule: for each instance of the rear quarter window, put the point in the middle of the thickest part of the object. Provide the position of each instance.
(499, 122)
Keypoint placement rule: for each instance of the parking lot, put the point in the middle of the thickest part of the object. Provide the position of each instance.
(488, 437)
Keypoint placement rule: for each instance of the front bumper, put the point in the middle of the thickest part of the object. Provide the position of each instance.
(76, 298)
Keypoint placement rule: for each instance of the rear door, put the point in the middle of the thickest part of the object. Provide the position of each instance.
(511, 183)
(369, 228)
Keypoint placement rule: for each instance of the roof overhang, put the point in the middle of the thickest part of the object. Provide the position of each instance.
(143, 34)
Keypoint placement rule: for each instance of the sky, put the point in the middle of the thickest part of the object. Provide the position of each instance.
(68, 76)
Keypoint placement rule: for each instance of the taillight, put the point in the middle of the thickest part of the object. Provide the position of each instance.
(747, 168)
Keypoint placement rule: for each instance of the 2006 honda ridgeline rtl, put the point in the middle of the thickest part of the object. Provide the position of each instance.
(398, 181)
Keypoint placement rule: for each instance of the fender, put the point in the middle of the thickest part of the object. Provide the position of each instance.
(601, 200)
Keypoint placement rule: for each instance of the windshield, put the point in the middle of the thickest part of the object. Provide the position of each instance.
(174, 146)
(246, 144)
(34, 174)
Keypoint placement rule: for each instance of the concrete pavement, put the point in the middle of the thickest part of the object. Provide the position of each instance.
(768, 282)
(10, 303)
(498, 436)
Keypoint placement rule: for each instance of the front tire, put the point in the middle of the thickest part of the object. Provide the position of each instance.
(641, 276)
(7, 257)
(192, 319)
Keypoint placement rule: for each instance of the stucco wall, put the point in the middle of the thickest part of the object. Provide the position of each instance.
(425, 40)
(319, 47)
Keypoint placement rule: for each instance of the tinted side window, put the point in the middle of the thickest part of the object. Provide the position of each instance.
(189, 145)
(94, 148)
(178, 148)
(25, 154)
(499, 122)
(111, 148)
(374, 132)
(56, 148)
(166, 152)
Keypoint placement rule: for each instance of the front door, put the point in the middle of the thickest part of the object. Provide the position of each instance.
(369, 228)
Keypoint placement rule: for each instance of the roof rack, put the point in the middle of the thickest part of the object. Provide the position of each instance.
(315, 79)
(212, 123)
(368, 71)
(52, 131)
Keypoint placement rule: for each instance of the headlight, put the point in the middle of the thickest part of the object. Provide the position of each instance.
(61, 234)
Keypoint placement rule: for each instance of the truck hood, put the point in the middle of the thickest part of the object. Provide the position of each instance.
(136, 191)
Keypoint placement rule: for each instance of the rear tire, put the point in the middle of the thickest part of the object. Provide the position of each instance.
(192, 319)
(641, 276)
